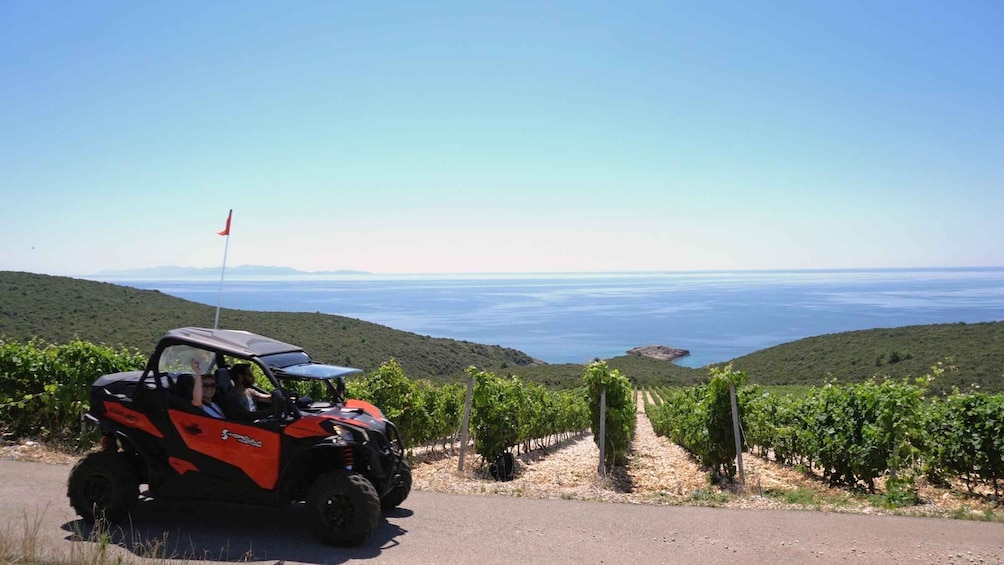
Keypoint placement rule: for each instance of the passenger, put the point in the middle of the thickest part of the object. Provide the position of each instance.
(242, 400)
(205, 388)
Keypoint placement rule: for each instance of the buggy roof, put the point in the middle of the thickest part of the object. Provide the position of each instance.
(238, 343)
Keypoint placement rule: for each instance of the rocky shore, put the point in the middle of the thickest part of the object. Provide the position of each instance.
(660, 352)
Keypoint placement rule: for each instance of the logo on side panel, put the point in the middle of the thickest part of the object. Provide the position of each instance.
(227, 434)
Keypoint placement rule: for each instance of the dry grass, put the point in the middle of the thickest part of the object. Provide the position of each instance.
(20, 543)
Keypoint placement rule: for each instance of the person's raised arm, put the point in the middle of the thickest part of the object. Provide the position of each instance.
(197, 387)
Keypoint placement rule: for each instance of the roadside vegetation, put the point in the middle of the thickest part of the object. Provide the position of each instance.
(22, 543)
(880, 443)
(853, 435)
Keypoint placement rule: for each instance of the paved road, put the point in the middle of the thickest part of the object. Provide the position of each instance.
(442, 528)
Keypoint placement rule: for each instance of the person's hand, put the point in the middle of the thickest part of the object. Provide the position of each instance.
(195, 367)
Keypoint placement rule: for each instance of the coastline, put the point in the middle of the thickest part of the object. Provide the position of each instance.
(557, 320)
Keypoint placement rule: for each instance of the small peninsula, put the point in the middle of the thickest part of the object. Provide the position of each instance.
(660, 352)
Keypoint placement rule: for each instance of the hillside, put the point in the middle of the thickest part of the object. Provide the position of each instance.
(976, 350)
(644, 372)
(58, 309)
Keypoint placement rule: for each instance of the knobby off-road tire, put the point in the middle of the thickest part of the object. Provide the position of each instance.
(504, 467)
(396, 496)
(344, 507)
(103, 485)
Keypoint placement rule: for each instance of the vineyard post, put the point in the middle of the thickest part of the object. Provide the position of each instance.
(735, 430)
(466, 422)
(603, 429)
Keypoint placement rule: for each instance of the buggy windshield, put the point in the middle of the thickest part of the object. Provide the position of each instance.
(315, 371)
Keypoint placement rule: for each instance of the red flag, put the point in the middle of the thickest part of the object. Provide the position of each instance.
(226, 230)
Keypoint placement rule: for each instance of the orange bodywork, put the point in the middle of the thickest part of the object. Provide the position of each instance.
(182, 466)
(253, 450)
(129, 417)
(307, 426)
(310, 425)
(365, 407)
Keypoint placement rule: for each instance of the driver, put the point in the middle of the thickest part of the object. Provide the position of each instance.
(241, 400)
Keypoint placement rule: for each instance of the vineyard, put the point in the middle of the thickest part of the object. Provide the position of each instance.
(851, 434)
(881, 443)
(45, 391)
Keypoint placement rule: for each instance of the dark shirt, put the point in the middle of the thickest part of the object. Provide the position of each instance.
(237, 407)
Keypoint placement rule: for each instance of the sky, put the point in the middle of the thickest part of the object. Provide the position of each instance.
(455, 137)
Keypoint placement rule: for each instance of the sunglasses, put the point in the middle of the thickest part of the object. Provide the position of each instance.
(208, 385)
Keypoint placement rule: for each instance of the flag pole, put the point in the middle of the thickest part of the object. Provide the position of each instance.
(226, 247)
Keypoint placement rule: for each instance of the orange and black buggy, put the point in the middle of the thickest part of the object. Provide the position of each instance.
(341, 457)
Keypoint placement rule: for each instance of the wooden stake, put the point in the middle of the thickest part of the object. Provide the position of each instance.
(603, 430)
(466, 422)
(736, 431)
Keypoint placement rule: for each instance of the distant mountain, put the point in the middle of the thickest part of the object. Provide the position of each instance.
(172, 272)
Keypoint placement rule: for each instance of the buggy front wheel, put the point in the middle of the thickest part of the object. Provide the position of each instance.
(344, 508)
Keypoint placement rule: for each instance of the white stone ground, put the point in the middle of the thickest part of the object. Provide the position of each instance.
(661, 472)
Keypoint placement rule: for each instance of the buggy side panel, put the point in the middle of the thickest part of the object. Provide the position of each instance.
(181, 466)
(130, 418)
(251, 449)
(307, 426)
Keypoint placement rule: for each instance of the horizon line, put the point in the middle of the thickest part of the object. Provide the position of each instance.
(123, 273)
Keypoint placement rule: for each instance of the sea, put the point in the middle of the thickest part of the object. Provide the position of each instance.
(576, 317)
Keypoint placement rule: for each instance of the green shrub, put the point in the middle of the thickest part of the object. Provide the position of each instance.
(859, 432)
(506, 412)
(399, 398)
(699, 419)
(45, 388)
(495, 413)
(620, 410)
(966, 438)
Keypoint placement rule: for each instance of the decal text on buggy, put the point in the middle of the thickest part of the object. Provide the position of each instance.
(227, 434)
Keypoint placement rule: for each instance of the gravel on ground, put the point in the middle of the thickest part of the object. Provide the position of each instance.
(661, 472)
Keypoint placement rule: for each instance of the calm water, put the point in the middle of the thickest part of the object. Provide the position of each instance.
(574, 318)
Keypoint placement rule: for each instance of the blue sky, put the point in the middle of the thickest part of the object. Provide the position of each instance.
(511, 137)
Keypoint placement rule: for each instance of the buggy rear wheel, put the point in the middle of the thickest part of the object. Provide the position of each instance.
(344, 507)
(402, 488)
(103, 485)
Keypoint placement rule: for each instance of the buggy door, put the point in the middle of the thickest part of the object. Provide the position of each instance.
(234, 451)
(225, 449)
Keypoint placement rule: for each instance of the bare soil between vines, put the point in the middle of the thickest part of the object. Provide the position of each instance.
(661, 472)
(658, 472)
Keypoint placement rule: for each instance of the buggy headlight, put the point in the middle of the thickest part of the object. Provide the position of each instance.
(360, 436)
(345, 433)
